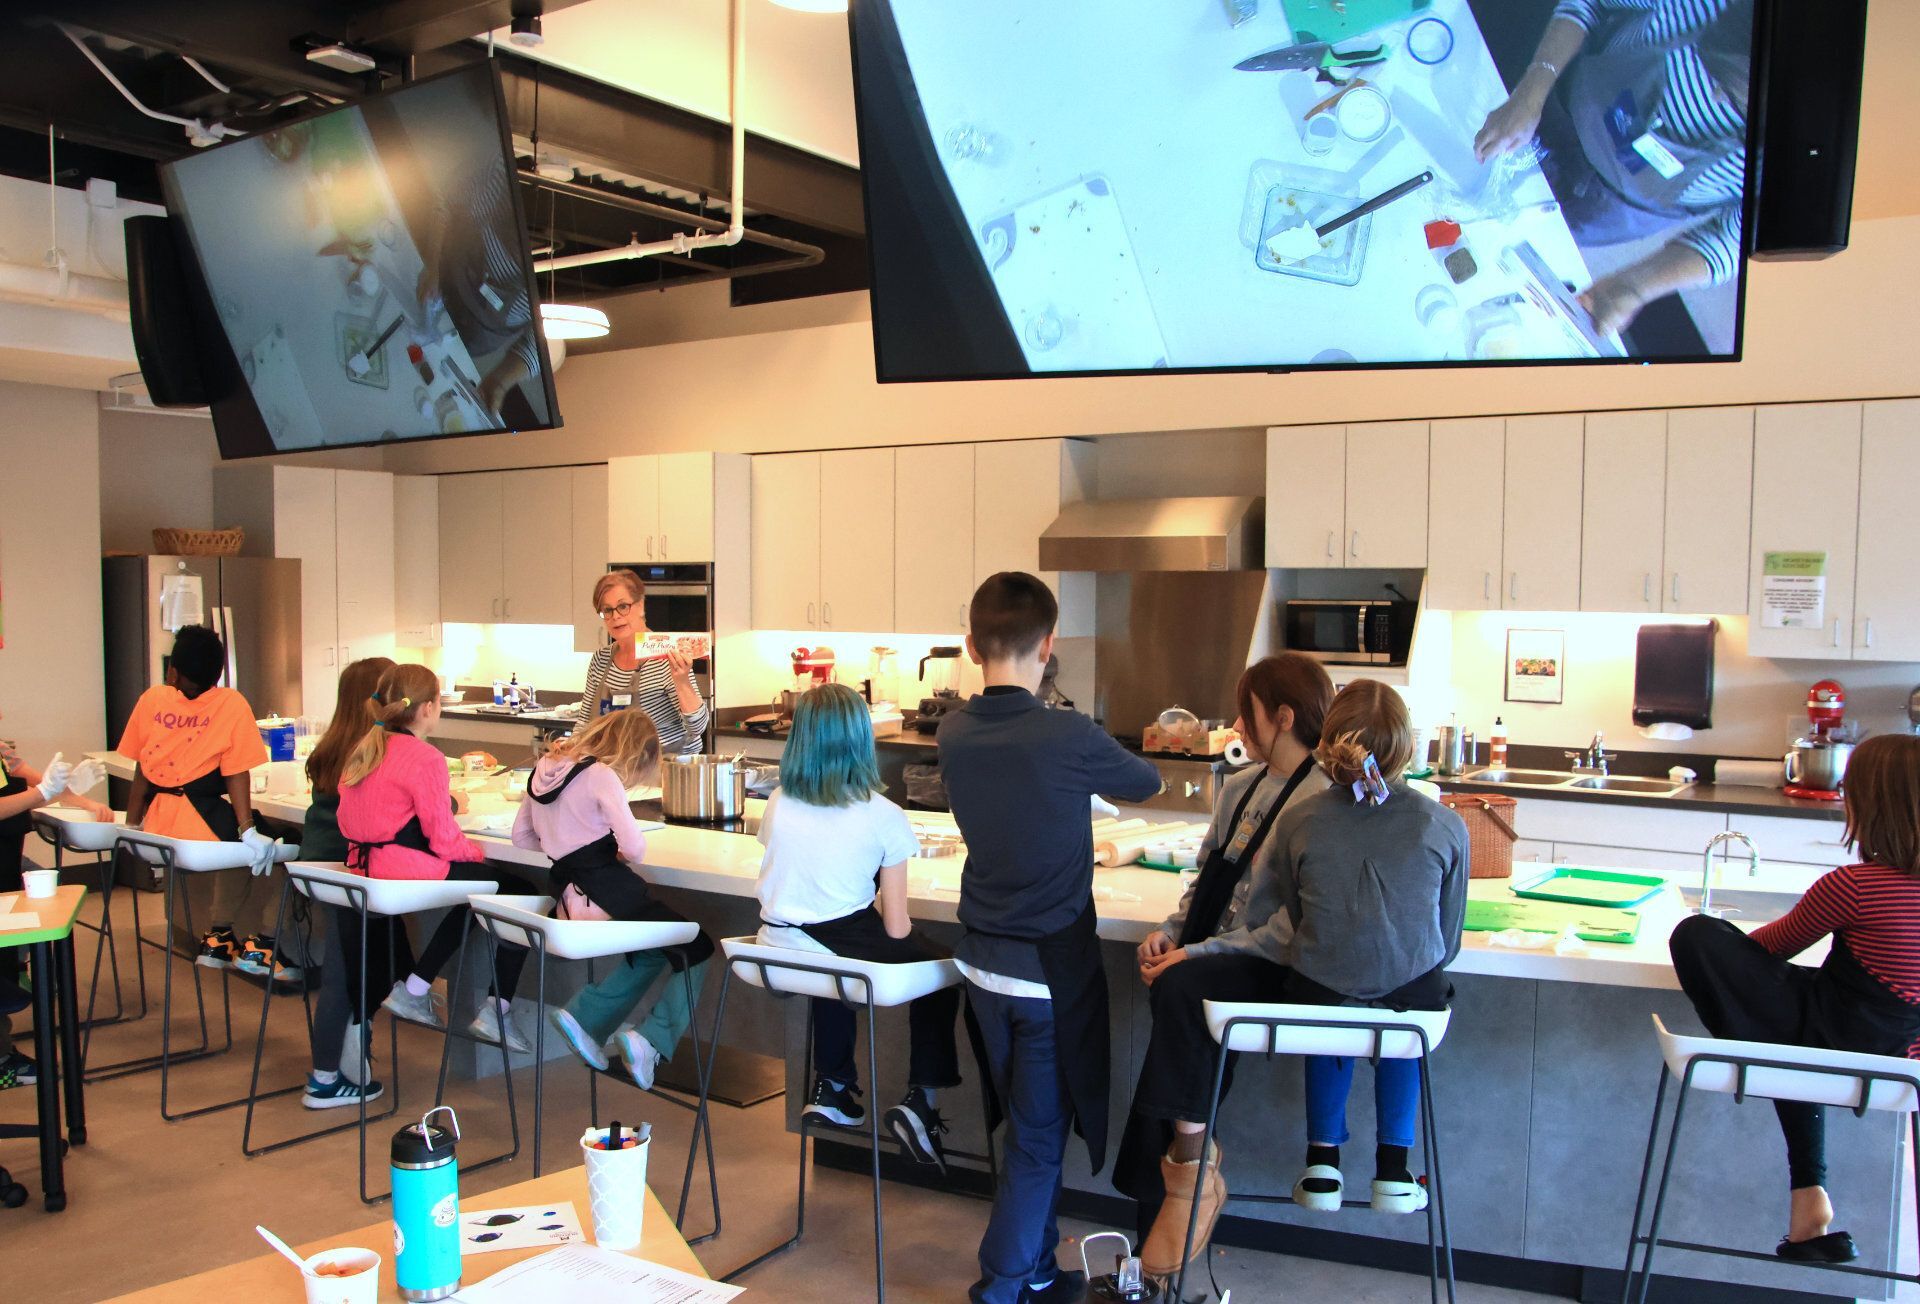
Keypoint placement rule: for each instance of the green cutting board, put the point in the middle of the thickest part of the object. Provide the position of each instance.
(1334, 21)
(1590, 923)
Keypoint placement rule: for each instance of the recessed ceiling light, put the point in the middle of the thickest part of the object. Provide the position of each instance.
(814, 6)
(573, 321)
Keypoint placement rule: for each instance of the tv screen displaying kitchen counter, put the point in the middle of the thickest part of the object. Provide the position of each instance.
(1132, 186)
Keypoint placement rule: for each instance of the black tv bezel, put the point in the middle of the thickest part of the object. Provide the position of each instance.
(238, 426)
(880, 12)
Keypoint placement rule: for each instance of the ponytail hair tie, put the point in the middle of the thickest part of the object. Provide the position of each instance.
(1371, 787)
(406, 702)
(375, 699)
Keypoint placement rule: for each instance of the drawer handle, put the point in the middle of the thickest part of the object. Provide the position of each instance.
(1192, 788)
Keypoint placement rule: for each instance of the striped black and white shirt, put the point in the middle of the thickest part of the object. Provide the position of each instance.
(650, 686)
(1695, 109)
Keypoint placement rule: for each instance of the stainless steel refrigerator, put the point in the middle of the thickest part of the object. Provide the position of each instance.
(253, 603)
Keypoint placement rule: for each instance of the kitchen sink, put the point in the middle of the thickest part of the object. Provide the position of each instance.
(1622, 783)
(1749, 907)
(1526, 778)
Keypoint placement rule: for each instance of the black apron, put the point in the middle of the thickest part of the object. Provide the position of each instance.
(409, 835)
(208, 797)
(1213, 890)
(1082, 1035)
(13, 845)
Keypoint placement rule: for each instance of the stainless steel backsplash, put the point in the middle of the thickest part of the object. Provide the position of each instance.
(1171, 638)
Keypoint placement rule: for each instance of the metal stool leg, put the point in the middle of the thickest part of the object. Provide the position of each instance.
(506, 1056)
(1660, 1197)
(701, 1118)
(226, 1004)
(539, 941)
(800, 1213)
(1200, 1178)
(873, 1120)
(1437, 1206)
(166, 1057)
(1646, 1175)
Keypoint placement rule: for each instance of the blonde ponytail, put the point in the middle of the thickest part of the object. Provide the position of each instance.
(403, 692)
(1367, 721)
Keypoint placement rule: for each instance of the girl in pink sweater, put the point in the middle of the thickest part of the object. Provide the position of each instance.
(397, 816)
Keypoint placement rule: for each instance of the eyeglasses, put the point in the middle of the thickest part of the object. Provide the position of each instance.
(615, 613)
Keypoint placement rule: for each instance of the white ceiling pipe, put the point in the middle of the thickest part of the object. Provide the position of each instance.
(57, 288)
(685, 242)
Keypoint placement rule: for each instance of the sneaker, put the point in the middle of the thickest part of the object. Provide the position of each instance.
(1065, 1288)
(17, 1070)
(836, 1105)
(219, 949)
(638, 1054)
(488, 1026)
(577, 1038)
(1399, 1197)
(919, 1127)
(338, 1093)
(403, 1004)
(257, 957)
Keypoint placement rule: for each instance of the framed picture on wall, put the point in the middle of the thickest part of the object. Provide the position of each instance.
(1536, 665)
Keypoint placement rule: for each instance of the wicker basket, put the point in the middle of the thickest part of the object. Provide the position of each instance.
(199, 543)
(1490, 832)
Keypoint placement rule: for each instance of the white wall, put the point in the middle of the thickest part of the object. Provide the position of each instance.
(1757, 703)
(50, 665)
(541, 655)
(155, 470)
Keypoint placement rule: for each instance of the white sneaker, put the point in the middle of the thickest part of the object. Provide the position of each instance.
(354, 1054)
(577, 1038)
(418, 1009)
(1324, 1200)
(1398, 1197)
(489, 1026)
(641, 1059)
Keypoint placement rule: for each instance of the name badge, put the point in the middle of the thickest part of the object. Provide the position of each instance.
(1243, 835)
(1658, 157)
(617, 702)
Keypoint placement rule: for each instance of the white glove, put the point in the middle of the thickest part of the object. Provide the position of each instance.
(1103, 809)
(262, 847)
(54, 781)
(86, 776)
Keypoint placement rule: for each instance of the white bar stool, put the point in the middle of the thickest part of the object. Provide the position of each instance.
(1772, 1072)
(331, 883)
(1350, 1032)
(67, 832)
(524, 921)
(863, 984)
(174, 857)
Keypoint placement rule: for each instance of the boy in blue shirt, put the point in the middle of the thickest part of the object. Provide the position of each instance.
(1019, 779)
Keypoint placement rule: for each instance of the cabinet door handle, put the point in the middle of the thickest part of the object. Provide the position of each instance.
(1869, 631)
(506, 609)
(1513, 585)
(1676, 587)
(649, 547)
(1486, 585)
(494, 610)
(1330, 543)
(809, 615)
(962, 616)
(1354, 546)
(1646, 587)
(1836, 631)
(663, 547)
(826, 613)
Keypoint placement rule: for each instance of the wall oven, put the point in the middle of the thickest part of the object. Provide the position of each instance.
(679, 595)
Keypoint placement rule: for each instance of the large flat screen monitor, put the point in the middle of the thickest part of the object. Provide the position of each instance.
(362, 274)
(1119, 186)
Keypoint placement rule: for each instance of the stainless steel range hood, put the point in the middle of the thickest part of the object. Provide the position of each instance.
(1157, 534)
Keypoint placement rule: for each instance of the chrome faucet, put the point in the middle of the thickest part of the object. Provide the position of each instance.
(1594, 759)
(1706, 870)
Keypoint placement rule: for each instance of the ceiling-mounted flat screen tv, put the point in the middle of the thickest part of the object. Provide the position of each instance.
(362, 276)
(1088, 187)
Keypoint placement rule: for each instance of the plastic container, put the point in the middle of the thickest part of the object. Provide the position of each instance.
(616, 1186)
(347, 1275)
(40, 882)
(277, 732)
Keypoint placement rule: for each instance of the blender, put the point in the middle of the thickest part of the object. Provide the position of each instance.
(1816, 765)
(940, 677)
(883, 677)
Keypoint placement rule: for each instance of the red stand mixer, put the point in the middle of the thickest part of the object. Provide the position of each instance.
(1816, 765)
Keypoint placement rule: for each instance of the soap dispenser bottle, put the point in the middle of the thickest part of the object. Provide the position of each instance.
(1497, 744)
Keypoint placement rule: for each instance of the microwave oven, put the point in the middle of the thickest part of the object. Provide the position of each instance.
(1360, 631)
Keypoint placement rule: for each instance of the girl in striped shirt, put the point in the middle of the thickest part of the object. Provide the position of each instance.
(617, 678)
(1864, 997)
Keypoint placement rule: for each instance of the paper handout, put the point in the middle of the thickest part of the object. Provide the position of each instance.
(587, 1274)
(482, 1231)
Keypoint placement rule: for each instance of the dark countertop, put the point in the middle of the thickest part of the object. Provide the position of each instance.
(907, 738)
(1698, 796)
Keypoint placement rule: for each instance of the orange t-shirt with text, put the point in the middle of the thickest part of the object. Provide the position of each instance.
(177, 739)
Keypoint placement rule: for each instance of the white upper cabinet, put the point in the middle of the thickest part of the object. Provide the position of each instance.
(1386, 495)
(1465, 502)
(1623, 511)
(537, 547)
(363, 557)
(633, 509)
(1306, 496)
(1709, 519)
(416, 561)
(933, 509)
(856, 539)
(590, 554)
(786, 541)
(1541, 541)
(1018, 489)
(1806, 498)
(472, 580)
(1886, 606)
(686, 507)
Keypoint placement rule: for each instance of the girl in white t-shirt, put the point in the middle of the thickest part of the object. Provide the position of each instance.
(834, 880)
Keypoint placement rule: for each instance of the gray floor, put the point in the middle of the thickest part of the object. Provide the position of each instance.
(152, 1201)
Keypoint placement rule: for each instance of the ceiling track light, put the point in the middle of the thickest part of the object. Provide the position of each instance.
(525, 32)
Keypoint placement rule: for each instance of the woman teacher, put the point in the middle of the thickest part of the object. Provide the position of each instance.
(619, 678)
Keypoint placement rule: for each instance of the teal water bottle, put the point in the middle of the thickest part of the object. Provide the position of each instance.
(426, 1208)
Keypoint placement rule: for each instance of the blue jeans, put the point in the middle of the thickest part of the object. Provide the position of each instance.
(1021, 1231)
(1396, 1100)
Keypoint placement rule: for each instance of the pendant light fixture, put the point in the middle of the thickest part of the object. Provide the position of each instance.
(573, 321)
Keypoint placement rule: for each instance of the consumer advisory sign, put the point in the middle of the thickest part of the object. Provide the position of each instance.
(1793, 590)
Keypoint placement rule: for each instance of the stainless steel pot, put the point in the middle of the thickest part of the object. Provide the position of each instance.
(1820, 766)
(704, 787)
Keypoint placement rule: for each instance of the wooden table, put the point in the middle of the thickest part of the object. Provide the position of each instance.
(270, 1279)
(56, 1029)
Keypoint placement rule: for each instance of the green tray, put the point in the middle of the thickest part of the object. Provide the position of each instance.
(1335, 21)
(1161, 865)
(1591, 887)
(1590, 923)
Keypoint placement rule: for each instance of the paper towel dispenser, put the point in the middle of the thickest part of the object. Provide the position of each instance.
(1673, 676)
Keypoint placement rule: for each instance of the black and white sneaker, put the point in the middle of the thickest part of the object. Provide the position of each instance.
(918, 1127)
(836, 1104)
(17, 1070)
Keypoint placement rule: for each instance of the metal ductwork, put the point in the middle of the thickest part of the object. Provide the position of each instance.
(1157, 534)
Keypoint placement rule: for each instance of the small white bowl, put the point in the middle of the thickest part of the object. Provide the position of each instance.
(40, 882)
